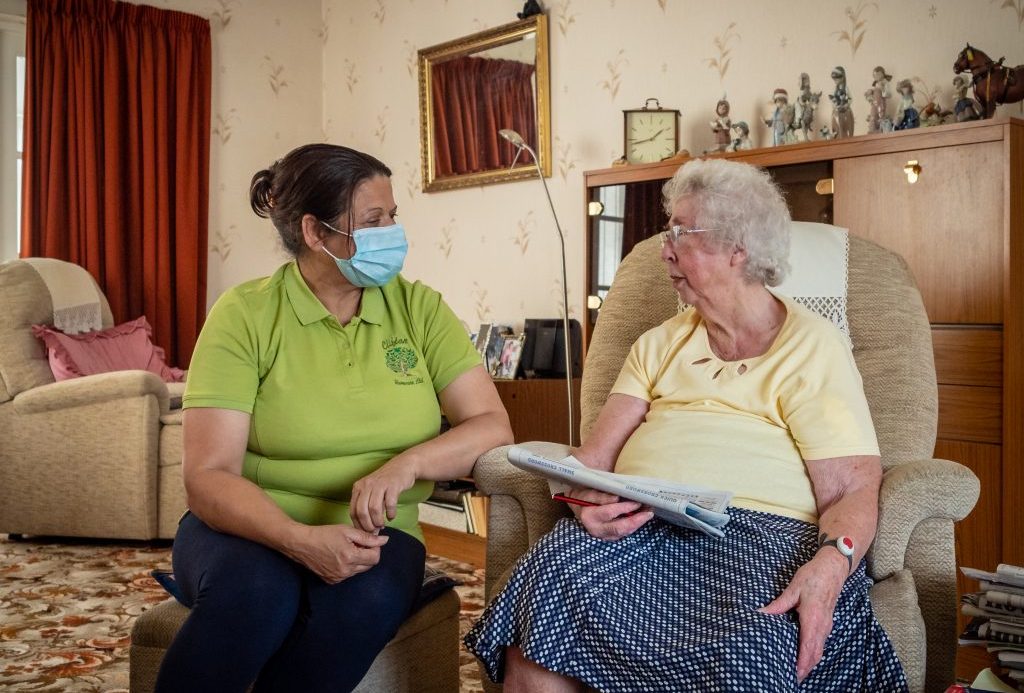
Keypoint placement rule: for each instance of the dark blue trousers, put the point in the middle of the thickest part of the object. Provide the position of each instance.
(257, 616)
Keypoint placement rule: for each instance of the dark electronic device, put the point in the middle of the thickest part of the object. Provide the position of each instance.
(544, 348)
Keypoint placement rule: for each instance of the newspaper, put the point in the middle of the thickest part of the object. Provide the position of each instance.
(693, 507)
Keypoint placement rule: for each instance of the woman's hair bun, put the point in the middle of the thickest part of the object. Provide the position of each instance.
(261, 197)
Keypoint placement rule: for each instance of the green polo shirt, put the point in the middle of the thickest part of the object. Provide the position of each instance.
(329, 403)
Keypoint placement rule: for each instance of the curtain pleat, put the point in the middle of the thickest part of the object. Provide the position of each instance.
(116, 156)
(473, 98)
(643, 214)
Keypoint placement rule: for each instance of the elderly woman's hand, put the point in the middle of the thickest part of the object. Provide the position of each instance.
(611, 518)
(813, 593)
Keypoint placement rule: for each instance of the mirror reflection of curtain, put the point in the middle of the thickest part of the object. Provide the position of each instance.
(643, 215)
(474, 98)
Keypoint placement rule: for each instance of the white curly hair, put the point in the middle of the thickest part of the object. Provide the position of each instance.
(740, 205)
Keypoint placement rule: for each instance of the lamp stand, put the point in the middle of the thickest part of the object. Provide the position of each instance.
(517, 141)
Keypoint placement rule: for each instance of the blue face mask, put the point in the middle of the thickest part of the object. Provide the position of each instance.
(380, 254)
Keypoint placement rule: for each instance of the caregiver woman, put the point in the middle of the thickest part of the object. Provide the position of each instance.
(311, 433)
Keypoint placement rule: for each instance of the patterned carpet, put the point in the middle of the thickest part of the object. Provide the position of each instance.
(67, 609)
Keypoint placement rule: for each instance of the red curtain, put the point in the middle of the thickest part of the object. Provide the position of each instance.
(643, 214)
(473, 99)
(116, 156)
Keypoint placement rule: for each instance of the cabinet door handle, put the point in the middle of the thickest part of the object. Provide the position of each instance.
(913, 170)
(825, 186)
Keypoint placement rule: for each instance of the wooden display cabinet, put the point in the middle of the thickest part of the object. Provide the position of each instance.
(960, 227)
(537, 408)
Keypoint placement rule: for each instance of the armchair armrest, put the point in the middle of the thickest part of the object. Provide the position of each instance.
(521, 509)
(913, 493)
(92, 389)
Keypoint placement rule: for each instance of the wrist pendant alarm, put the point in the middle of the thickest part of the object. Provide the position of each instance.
(843, 544)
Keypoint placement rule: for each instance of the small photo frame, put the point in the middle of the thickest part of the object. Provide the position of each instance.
(482, 337)
(508, 361)
(492, 352)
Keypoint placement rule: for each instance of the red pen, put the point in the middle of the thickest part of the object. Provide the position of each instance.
(572, 501)
(587, 504)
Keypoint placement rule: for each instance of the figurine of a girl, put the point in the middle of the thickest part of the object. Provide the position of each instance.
(881, 80)
(842, 113)
(964, 107)
(875, 106)
(907, 116)
(721, 126)
(742, 139)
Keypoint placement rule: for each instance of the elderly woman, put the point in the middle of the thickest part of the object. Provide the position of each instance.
(311, 434)
(748, 391)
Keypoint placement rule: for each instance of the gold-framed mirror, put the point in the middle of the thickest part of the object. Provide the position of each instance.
(471, 88)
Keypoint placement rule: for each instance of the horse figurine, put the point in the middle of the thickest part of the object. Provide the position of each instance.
(993, 82)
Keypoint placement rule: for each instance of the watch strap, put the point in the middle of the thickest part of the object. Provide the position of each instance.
(842, 544)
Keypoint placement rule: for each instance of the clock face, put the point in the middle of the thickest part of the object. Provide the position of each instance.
(650, 135)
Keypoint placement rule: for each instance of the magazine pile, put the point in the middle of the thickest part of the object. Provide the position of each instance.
(997, 612)
(692, 507)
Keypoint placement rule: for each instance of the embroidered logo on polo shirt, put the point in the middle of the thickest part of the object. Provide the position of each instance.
(401, 358)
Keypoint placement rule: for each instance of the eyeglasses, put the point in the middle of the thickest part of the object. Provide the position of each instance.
(672, 234)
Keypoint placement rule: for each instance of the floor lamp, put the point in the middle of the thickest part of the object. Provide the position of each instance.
(520, 144)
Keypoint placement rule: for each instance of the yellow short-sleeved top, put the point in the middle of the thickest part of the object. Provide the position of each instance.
(746, 426)
(329, 404)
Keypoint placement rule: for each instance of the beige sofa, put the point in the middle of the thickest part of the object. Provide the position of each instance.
(97, 456)
(912, 558)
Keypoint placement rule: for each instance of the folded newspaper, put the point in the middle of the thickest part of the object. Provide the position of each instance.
(693, 507)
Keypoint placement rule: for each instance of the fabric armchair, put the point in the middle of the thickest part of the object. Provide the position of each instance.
(96, 456)
(912, 558)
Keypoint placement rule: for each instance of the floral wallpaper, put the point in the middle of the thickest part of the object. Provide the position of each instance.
(345, 71)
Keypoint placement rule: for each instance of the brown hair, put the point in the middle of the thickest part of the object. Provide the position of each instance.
(316, 179)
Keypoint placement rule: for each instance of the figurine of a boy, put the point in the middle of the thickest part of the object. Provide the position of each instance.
(782, 118)
(721, 126)
(742, 139)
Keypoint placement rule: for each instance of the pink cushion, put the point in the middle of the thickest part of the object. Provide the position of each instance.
(123, 347)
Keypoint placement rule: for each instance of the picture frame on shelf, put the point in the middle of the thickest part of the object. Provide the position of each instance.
(495, 343)
(482, 337)
(508, 362)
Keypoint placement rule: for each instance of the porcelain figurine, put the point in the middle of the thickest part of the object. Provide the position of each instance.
(874, 98)
(881, 80)
(721, 126)
(808, 103)
(842, 113)
(964, 107)
(907, 116)
(742, 139)
(781, 121)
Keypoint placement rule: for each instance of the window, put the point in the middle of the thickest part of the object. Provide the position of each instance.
(609, 235)
(12, 107)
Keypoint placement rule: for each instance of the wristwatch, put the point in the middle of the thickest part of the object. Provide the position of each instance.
(843, 544)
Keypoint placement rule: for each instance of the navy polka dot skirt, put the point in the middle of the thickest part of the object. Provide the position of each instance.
(667, 609)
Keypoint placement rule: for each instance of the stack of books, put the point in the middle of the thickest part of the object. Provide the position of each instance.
(997, 617)
(456, 505)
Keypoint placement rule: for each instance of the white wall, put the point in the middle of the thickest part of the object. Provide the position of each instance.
(267, 99)
(610, 55)
(287, 73)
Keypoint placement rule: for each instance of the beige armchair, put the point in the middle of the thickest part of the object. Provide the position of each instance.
(97, 456)
(912, 558)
